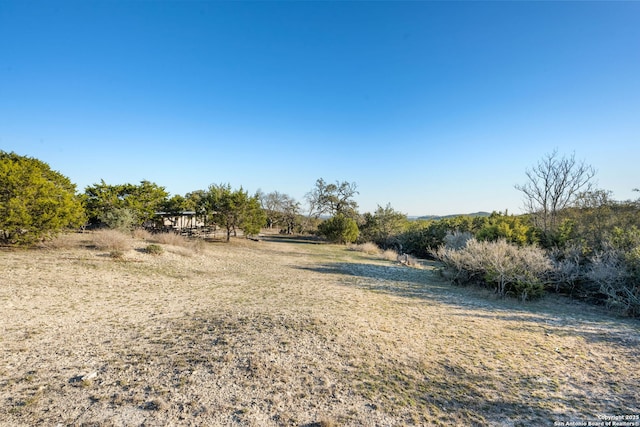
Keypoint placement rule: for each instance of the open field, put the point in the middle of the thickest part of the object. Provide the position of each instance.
(280, 333)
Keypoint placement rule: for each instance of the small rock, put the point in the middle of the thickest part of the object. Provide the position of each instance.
(90, 376)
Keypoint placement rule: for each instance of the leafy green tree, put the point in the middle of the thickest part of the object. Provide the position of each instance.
(253, 217)
(422, 237)
(35, 201)
(135, 203)
(233, 209)
(146, 199)
(339, 229)
(176, 205)
(197, 201)
(383, 226)
(99, 199)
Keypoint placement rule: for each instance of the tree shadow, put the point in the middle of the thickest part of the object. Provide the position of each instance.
(416, 283)
(465, 391)
(558, 314)
(292, 238)
(469, 398)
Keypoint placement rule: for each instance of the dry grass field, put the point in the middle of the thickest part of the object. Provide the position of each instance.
(288, 333)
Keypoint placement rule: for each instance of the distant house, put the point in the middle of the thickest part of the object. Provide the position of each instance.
(185, 220)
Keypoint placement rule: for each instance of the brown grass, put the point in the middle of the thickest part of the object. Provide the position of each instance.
(111, 240)
(61, 241)
(180, 244)
(141, 234)
(368, 248)
(293, 334)
(390, 255)
(172, 239)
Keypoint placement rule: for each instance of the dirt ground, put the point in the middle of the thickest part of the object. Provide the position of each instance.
(287, 333)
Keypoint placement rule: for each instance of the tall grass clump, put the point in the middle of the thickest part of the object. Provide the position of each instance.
(507, 268)
(141, 234)
(368, 248)
(172, 239)
(111, 240)
(389, 255)
(178, 241)
(61, 241)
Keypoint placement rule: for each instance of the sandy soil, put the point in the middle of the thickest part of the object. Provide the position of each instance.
(279, 333)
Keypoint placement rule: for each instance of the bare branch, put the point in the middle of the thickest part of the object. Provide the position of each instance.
(552, 186)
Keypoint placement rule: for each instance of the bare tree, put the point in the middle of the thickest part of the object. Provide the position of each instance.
(332, 199)
(552, 186)
(281, 209)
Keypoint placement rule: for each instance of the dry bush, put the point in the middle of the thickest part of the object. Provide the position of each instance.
(510, 269)
(613, 271)
(457, 239)
(567, 273)
(111, 240)
(367, 247)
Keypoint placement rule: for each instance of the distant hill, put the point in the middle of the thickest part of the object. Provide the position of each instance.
(436, 217)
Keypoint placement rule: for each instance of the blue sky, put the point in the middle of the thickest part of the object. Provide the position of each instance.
(433, 107)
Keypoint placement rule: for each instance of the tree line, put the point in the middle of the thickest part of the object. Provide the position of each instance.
(37, 202)
(127, 206)
(574, 239)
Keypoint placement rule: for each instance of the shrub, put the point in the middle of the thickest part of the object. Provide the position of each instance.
(618, 278)
(568, 272)
(509, 269)
(339, 229)
(423, 236)
(123, 219)
(513, 229)
(154, 249)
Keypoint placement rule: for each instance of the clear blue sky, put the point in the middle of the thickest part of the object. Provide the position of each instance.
(433, 107)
